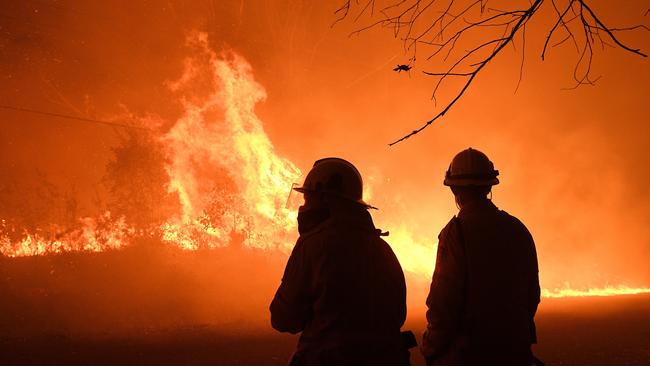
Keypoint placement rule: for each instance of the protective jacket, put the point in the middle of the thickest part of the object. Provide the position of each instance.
(344, 289)
(484, 292)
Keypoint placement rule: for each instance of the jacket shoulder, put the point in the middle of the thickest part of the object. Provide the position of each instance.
(516, 224)
(450, 228)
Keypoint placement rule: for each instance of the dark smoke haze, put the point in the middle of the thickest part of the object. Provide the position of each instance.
(574, 164)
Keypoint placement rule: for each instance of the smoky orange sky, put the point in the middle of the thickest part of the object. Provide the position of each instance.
(574, 163)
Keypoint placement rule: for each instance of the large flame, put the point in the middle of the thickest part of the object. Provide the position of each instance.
(222, 165)
(229, 180)
(221, 158)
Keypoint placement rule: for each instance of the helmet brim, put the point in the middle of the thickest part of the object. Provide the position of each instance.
(304, 190)
(469, 182)
(300, 189)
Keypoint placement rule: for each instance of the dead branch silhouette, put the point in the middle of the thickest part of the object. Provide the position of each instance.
(440, 26)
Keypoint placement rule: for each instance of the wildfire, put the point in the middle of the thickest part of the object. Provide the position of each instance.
(229, 180)
(220, 135)
(222, 166)
(94, 235)
(416, 255)
(567, 291)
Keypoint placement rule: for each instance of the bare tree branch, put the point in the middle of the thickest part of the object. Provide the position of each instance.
(560, 20)
(523, 57)
(610, 32)
(441, 27)
(503, 43)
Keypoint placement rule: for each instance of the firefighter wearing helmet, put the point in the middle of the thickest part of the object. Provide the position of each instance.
(485, 287)
(343, 288)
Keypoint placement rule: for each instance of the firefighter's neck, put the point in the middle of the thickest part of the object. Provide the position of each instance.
(470, 196)
(464, 201)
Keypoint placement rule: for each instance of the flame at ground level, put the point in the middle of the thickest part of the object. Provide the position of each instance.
(592, 292)
(417, 259)
(231, 184)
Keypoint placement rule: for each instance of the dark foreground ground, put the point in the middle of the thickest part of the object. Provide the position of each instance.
(149, 305)
(594, 331)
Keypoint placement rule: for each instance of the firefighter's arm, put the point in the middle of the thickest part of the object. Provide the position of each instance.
(535, 291)
(446, 295)
(290, 307)
(398, 290)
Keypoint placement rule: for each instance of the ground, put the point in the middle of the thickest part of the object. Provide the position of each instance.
(595, 331)
(155, 305)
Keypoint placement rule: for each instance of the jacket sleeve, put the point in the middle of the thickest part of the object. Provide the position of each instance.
(290, 308)
(445, 298)
(533, 286)
(397, 282)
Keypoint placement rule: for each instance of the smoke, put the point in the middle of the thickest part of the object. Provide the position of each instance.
(573, 165)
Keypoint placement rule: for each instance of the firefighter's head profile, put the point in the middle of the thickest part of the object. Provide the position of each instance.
(332, 180)
(471, 176)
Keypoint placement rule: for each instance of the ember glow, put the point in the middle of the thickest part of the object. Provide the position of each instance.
(229, 179)
(232, 184)
(590, 292)
(219, 134)
(93, 235)
(222, 166)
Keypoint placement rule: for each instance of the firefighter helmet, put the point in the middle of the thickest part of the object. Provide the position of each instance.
(471, 168)
(337, 177)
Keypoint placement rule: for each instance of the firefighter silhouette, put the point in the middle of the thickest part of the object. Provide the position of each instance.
(343, 288)
(485, 288)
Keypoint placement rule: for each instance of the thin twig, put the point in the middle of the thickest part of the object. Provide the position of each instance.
(450, 24)
(521, 21)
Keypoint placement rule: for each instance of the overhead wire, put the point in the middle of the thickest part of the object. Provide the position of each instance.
(76, 118)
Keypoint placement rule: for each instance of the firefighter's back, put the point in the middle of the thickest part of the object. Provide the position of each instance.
(359, 294)
(502, 284)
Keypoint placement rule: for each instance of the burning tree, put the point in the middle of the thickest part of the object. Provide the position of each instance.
(439, 28)
(31, 202)
(138, 182)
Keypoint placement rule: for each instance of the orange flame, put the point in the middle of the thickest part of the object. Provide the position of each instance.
(567, 291)
(94, 235)
(229, 180)
(220, 132)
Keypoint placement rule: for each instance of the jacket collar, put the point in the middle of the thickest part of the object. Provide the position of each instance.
(355, 215)
(348, 215)
(472, 208)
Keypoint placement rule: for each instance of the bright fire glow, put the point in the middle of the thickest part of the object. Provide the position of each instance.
(218, 135)
(229, 180)
(94, 235)
(589, 292)
(414, 254)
